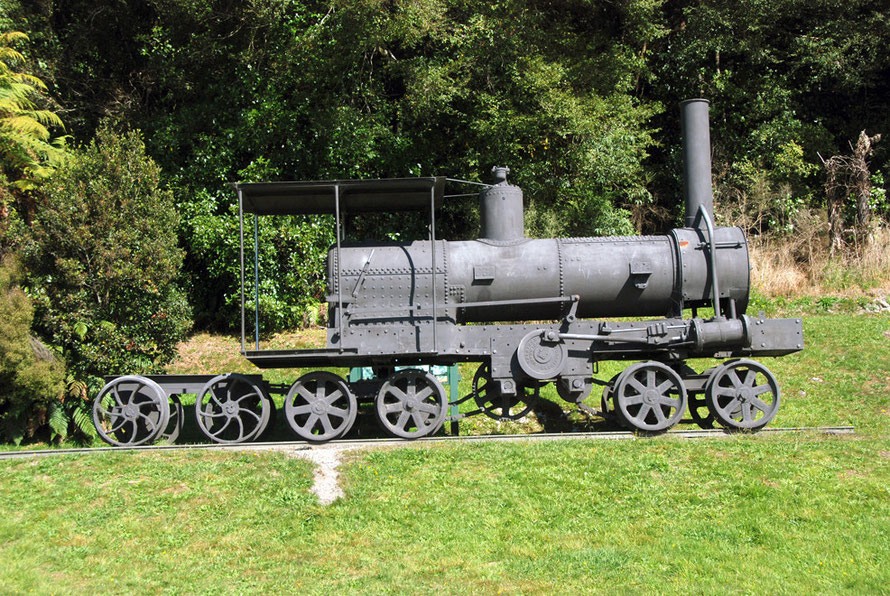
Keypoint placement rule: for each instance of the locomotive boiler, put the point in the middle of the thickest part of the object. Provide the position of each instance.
(528, 311)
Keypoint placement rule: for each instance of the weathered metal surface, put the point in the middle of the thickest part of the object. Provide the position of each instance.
(528, 311)
(696, 160)
(356, 196)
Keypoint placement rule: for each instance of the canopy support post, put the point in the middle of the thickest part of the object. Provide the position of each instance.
(339, 268)
(256, 281)
(241, 230)
(433, 270)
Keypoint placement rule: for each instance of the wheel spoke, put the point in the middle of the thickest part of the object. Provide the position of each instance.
(154, 425)
(214, 397)
(240, 428)
(117, 396)
(428, 408)
(208, 413)
(400, 395)
(643, 412)
(726, 392)
(310, 422)
(114, 429)
(426, 392)
(650, 378)
(419, 420)
(251, 413)
(664, 387)
(633, 400)
(252, 394)
(659, 414)
(333, 396)
(221, 429)
(761, 389)
(326, 424)
(403, 419)
(338, 412)
(633, 382)
(303, 392)
(760, 405)
(747, 414)
(670, 402)
(734, 378)
(750, 377)
(730, 407)
(393, 407)
(304, 409)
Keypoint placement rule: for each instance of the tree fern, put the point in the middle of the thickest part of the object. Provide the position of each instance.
(28, 153)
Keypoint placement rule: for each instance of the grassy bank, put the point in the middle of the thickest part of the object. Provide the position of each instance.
(743, 515)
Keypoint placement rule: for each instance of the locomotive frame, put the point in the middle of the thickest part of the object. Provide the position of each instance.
(530, 312)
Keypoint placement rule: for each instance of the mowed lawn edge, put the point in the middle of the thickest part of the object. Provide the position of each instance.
(749, 514)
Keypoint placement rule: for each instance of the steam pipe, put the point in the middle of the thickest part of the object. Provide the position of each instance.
(696, 161)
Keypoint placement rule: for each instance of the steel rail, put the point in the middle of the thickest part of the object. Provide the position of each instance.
(382, 442)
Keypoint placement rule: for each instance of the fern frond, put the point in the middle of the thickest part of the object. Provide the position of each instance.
(83, 422)
(26, 125)
(10, 37)
(58, 421)
(10, 55)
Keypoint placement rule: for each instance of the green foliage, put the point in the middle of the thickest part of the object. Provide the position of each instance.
(31, 377)
(104, 263)
(311, 91)
(28, 154)
(578, 98)
(787, 80)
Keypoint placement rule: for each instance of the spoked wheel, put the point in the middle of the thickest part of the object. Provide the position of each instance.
(174, 425)
(232, 409)
(497, 405)
(411, 404)
(320, 407)
(650, 396)
(130, 410)
(743, 394)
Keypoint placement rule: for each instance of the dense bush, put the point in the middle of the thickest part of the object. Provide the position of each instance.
(103, 261)
(31, 377)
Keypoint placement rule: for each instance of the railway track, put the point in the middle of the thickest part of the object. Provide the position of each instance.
(387, 442)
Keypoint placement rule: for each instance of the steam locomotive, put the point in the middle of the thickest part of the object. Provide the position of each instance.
(528, 311)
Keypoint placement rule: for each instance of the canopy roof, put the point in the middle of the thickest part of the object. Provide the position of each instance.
(386, 195)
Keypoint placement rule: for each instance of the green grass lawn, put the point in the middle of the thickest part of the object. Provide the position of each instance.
(741, 514)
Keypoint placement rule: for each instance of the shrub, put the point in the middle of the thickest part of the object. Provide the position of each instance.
(31, 378)
(104, 263)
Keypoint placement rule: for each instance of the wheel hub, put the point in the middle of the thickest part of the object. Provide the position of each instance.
(745, 394)
(230, 408)
(649, 396)
(318, 409)
(411, 405)
(131, 412)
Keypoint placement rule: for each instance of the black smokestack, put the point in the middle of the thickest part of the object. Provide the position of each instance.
(696, 160)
